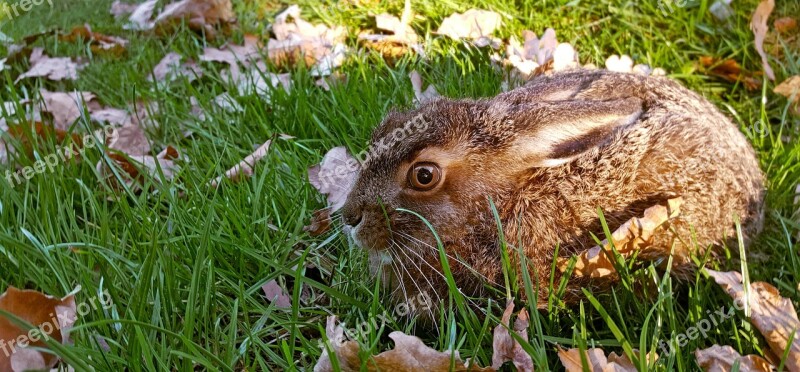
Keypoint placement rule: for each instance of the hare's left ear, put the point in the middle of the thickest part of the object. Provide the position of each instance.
(549, 134)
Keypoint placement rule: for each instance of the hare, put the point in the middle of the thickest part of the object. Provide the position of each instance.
(547, 154)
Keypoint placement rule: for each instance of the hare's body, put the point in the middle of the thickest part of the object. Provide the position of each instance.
(548, 155)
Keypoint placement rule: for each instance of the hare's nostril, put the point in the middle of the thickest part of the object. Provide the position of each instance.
(351, 218)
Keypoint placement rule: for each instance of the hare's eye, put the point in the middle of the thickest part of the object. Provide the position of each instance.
(424, 176)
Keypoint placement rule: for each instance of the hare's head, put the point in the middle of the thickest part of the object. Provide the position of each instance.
(431, 172)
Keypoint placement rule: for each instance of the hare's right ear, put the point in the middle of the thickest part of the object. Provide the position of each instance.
(549, 134)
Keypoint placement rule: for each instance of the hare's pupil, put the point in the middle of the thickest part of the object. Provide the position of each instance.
(424, 176)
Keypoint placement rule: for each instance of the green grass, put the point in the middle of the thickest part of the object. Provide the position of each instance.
(185, 264)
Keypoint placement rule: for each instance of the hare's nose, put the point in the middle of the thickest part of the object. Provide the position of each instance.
(351, 217)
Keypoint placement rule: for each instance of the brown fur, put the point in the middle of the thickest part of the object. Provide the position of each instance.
(539, 153)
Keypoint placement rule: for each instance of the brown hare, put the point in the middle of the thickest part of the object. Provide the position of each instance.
(548, 154)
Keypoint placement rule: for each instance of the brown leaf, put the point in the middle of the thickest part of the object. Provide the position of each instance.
(132, 169)
(277, 295)
(99, 43)
(505, 347)
(597, 360)
(171, 68)
(52, 316)
(130, 139)
(320, 222)
(473, 24)
(760, 28)
(317, 46)
(234, 54)
(790, 88)
(409, 354)
(200, 15)
(634, 235)
(51, 68)
(729, 70)
(774, 316)
(335, 176)
(141, 14)
(400, 38)
(245, 167)
(722, 358)
(785, 24)
(420, 95)
(537, 56)
(64, 108)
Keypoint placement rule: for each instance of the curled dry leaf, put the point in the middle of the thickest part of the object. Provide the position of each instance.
(536, 56)
(785, 24)
(51, 68)
(233, 54)
(760, 28)
(320, 222)
(421, 96)
(317, 46)
(245, 167)
(409, 354)
(335, 176)
(597, 361)
(474, 24)
(624, 63)
(52, 316)
(729, 70)
(99, 43)
(505, 347)
(170, 68)
(132, 169)
(257, 80)
(722, 358)
(790, 88)
(141, 14)
(401, 36)
(277, 295)
(634, 235)
(200, 15)
(63, 108)
(774, 316)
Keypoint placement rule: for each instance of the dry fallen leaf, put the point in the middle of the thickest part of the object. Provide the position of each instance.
(320, 222)
(634, 235)
(790, 88)
(140, 14)
(64, 108)
(317, 46)
(245, 167)
(729, 70)
(233, 54)
(130, 139)
(785, 24)
(421, 96)
(200, 15)
(276, 294)
(335, 176)
(474, 24)
(51, 68)
(99, 43)
(120, 9)
(170, 68)
(625, 64)
(722, 358)
(257, 80)
(505, 347)
(132, 169)
(39, 310)
(597, 361)
(774, 316)
(401, 37)
(760, 28)
(536, 56)
(409, 354)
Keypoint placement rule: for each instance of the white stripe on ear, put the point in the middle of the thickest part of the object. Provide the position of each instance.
(550, 134)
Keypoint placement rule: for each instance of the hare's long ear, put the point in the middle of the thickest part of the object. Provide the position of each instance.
(549, 134)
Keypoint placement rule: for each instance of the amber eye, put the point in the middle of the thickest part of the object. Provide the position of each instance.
(424, 176)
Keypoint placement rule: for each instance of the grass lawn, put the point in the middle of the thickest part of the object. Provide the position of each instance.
(185, 263)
